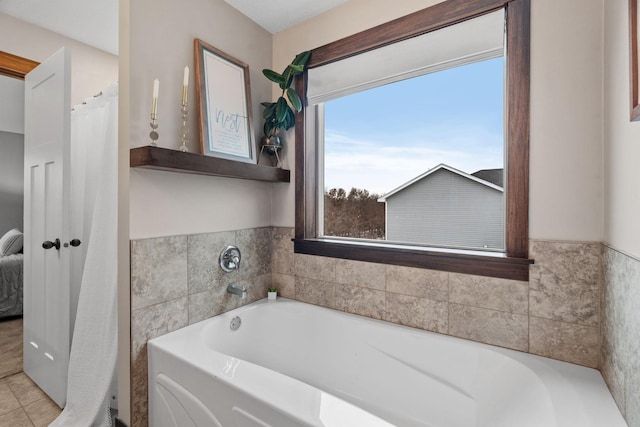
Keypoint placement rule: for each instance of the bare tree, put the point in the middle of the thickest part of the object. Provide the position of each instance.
(357, 214)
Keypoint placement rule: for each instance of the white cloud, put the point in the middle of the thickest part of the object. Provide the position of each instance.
(379, 166)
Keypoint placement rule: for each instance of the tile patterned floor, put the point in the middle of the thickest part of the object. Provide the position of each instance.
(23, 404)
(10, 346)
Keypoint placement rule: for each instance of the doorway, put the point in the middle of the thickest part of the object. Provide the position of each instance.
(23, 403)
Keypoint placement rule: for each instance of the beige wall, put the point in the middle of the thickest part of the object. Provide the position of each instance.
(621, 322)
(156, 41)
(621, 137)
(165, 204)
(91, 69)
(566, 107)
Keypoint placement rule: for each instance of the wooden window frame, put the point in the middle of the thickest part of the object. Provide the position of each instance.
(514, 263)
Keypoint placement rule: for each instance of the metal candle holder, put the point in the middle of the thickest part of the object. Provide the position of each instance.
(185, 128)
(154, 133)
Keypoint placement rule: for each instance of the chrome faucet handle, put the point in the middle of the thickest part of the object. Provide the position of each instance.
(236, 263)
(230, 258)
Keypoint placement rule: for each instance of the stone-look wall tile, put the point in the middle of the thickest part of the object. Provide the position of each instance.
(489, 326)
(612, 371)
(285, 284)
(615, 290)
(418, 282)
(158, 270)
(203, 266)
(315, 267)
(632, 328)
(139, 390)
(201, 306)
(633, 398)
(157, 320)
(282, 251)
(362, 274)
(255, 247)
(147, 323)
(565, 282)
(217, 300)
(362, 301)
(488, 292)
(417, 312)
(620, 363)
(564, 341)
(316, 292)
(257, 287)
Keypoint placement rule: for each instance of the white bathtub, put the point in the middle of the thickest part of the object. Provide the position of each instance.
(294, 364)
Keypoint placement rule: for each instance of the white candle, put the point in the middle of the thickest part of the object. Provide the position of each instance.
(154, 100)
(185, 85)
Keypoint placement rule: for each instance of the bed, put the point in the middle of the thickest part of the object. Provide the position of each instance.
(11, 285)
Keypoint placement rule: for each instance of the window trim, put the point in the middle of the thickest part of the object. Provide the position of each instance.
(514, 263)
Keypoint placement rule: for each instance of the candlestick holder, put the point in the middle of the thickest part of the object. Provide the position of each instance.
(185, 128)
(154, 133)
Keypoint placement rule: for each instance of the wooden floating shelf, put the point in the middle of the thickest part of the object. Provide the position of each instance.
(157, 158)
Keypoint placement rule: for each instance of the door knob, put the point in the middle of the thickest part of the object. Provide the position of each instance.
(49, 244)
(75, 242)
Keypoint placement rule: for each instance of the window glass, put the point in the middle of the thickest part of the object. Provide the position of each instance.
(418, 161)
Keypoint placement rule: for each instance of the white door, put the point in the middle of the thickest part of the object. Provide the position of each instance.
(46, 224)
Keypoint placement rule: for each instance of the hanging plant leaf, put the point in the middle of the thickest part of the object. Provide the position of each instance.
(294, 99)
(290, 120)
(302, 58)
(269, 110)
(280, 114)
(281, 109)
(273, 76)
(288, 78)
(297, 69)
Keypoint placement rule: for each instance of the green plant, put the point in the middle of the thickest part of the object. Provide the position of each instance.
(279, 115)
(271, 289)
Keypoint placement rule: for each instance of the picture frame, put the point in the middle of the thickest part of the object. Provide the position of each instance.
(223, 92)
(633, 61)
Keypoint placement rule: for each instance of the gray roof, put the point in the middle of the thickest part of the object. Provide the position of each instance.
(494, 176)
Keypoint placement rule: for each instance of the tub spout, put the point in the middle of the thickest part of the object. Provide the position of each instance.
(234, 289)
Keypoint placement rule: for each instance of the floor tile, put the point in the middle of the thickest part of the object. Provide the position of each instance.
(42, 412)
(10, 347)
(25, 390)
(8, 401)
(16, 418)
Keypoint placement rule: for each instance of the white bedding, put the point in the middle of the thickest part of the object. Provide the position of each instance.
(11, 285)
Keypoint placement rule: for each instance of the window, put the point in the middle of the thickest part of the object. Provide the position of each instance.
(419, 161)
(445, 48)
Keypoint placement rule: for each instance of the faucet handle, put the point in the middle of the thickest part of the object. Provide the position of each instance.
(230, 258)
(236, 263)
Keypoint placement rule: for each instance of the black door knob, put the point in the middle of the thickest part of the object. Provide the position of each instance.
(49, 244)
(75, 242)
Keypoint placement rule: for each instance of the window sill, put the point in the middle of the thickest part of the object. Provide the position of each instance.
(490, 265)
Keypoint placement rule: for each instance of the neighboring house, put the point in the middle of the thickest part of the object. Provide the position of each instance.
(447, 207)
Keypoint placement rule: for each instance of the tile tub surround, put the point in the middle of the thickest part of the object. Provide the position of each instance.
(176, 281)
(556, 314)
(620, 356)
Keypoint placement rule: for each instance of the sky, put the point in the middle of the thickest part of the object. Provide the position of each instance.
(381, 138)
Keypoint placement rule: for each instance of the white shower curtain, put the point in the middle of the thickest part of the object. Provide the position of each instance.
(92, 363)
